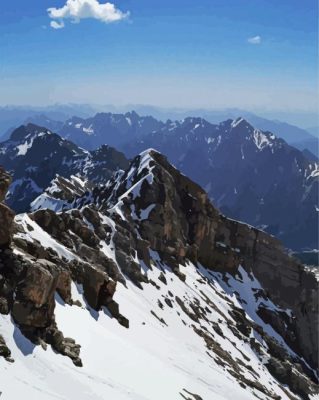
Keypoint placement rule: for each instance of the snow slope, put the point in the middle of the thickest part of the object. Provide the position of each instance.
(151, 360)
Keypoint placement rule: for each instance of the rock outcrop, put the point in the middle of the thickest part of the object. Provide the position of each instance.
(6, 215)
(31, 277)
(182, 224)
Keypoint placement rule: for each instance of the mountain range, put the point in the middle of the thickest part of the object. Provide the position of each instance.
(250, 175)
(53, 117)
(35, 155)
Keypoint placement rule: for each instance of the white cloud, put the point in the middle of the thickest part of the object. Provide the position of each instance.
(254, 40)
(81, 9)
(57, 25)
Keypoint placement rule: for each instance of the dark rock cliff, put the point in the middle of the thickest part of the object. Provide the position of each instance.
(182, 224)
(31, 276)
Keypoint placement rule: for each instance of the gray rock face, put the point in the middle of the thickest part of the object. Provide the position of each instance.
(6, 215)
(183, 225)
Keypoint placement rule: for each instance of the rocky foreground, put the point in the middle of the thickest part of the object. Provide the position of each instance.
(151, 293)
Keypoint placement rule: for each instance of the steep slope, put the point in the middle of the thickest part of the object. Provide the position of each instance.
(250, 175)
(107, 128)
(34, 155)
(204, 307)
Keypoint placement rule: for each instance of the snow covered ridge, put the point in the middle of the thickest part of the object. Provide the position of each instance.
(32, 174)
(165, 297)
(113, 129)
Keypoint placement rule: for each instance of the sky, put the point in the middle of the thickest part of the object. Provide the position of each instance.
(251, 54)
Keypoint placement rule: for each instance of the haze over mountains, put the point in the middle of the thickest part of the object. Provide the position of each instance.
(55, 115)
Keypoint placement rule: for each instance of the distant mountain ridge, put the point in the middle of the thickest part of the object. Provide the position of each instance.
(107, 128)
(35, 156)
(251, 175)
(54, 116)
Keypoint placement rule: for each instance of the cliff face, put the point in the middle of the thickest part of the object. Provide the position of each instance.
(31, 276)
(6, 215)
(182, 224)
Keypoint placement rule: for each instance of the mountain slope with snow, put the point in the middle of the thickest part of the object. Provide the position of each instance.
(107, 128)
(165, 297)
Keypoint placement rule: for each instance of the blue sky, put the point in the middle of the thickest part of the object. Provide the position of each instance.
(253, 54)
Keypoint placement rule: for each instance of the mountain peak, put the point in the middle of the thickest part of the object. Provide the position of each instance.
(240, 122)
(26, 130)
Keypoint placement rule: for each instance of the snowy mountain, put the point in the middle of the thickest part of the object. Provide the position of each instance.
(35, 155)
(12, 117)
(142, 290)
(249, 174)
(107, 128)
(292, 134)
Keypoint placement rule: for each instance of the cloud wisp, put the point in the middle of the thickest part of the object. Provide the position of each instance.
(254, 40)
(76, 10)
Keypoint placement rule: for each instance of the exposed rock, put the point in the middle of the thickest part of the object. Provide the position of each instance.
(4, 350)
(6, 214)
(187, 226)
(118, 235)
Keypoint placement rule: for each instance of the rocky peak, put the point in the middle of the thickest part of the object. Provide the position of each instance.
(108, 128)
(249, 174)
(174, 216)
(5, 181)
(28, 130)
(6, 215)
(240, 122)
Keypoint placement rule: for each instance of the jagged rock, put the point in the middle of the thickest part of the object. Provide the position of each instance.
(4, 306)
(288, 375)
(4, 350)
(114, 309)
(63, 286)
(65, 346)
(162, 278)
(6, 214)
(187, 225)
(98, 289)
